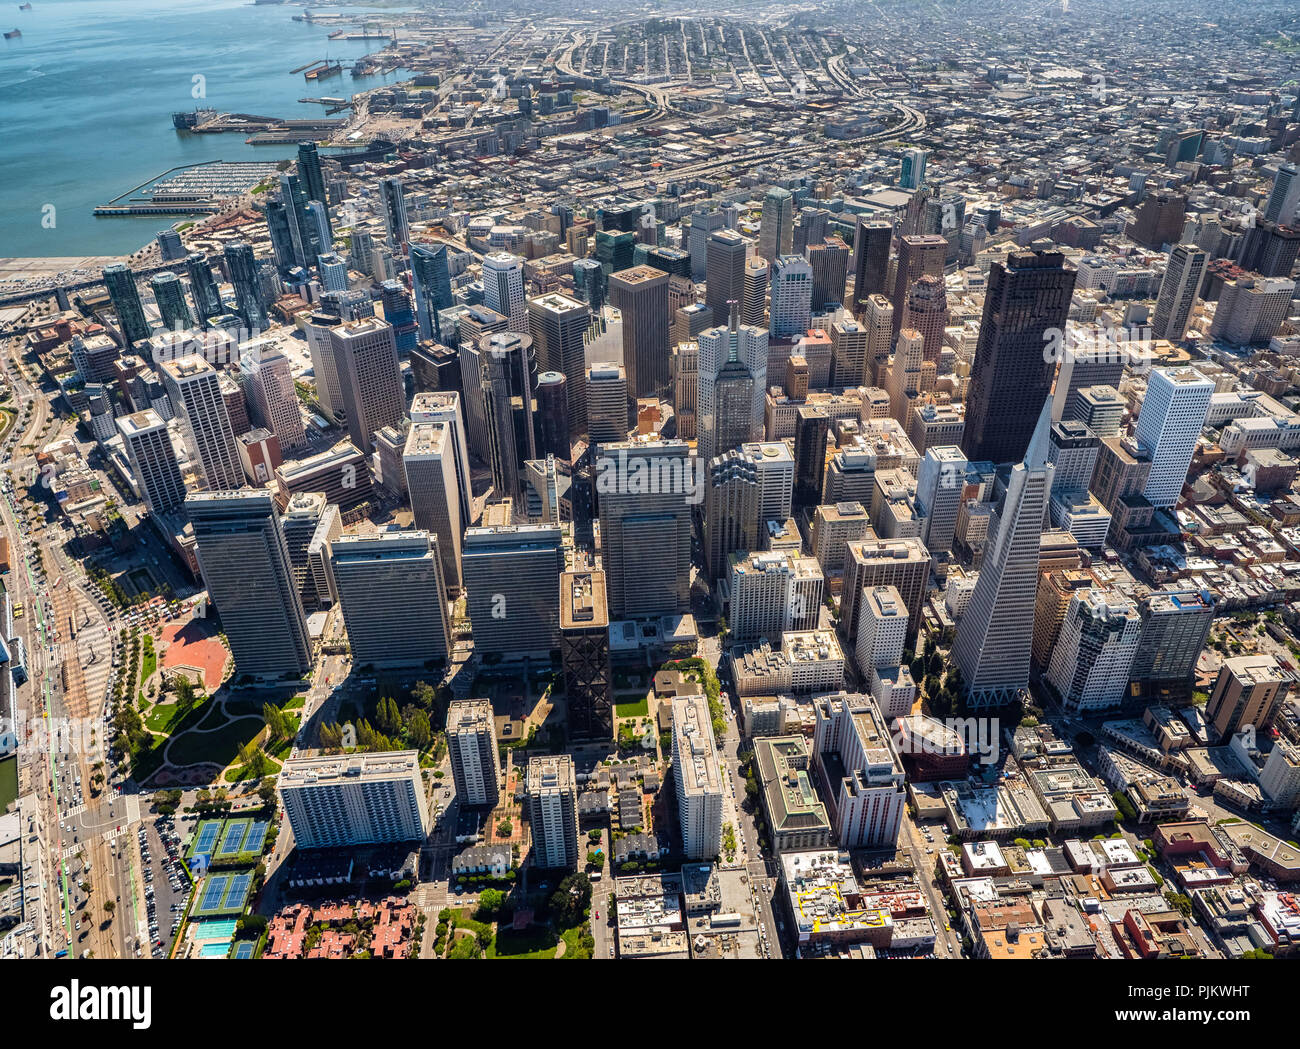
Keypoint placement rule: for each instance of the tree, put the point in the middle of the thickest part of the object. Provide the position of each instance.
(466, 947)
(418, 729)
(387, 717)
(570, 901)
(490, 902)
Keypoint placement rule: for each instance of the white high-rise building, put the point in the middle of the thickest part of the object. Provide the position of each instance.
(444, 406)
(1168, 426)
(153, 460)
(882, 628)
(551, 788)
(429, 460)
(995, 631)
(870, 794)
(939, 489)
(503, 289)
(355, 799)
(725, 354)
(772, 592)
(1284, 198)
(1178, 291)
(697, 777)
(791, 302)
(195, 391)
(472, 747)
(1090, 665)
(775, 464)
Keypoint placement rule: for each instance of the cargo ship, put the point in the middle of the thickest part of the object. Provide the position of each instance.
(13, 34)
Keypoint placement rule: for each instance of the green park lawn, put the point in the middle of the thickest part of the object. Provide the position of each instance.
(536, 941)
(633, 706)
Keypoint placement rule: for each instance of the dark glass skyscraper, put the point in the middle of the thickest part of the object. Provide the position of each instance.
(1028, 296)
(310, 173)
(120, 284)
(870, 259)
(203, 286)
(241, 264)
(431, 281)
(169, 294)
(401, 315)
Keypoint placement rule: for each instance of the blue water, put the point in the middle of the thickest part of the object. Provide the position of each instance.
(87, 93)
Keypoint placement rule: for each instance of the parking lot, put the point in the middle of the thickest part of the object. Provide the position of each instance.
(166, 883)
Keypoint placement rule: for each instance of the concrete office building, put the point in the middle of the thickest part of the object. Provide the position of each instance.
(551, 790)
(391, 587)
(776, 230)
(268, 386)
(310, 525)
(860, 771)
(512, 574)
(194, 388)
(686, 383)
(697, 778)
(1176, 624)
(370, 378)
(834, 526)
(1169, 425)
(153, 460)
(472, 748)
(753, 307)
(1247, 694)
(444, 407)
(640, 294)
(646, 535)
(725, 280)
(346, 800)
(607, 403)
(772, 592)
(245, 567)
(732, 368)
(901, 563)
(1178, 291)
(882, 629)
(558, 325)
(1090, 664)
(775, 465)
(503, 289)
(791, 303)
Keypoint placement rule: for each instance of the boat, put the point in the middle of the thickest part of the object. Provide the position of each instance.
(13, 34)
(24, 7)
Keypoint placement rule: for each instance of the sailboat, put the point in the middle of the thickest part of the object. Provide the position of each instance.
(13, 34)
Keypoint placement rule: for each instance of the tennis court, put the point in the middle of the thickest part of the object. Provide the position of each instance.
(256, 836)
(225, 892)
(232, 840)
(205, 836)
(244, 949)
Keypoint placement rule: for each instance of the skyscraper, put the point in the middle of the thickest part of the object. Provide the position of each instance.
(503, 289)
(245, 565)
(242, 266)
(1028, 299)
(500, 355)
(512, 573)
(1169, 425)
(309, 172)
(431, 283)
(996, 630)
(607, 414)
(1284, 198)
(444, 406)
(393, 596)
(268, 385)
(776, 232)
(702, 224)
(753, 308)
(811, 428)
(400, 314)
(732, 386)
(939, 489)
(169, 294)
(920, 255)
(584, 654)
(472, 748)
(203, 286)
(553, 416)
(429, 461)
(355, 799)
(791, 307)
(926, 312)
(333, 270)
(194, 388)
(829, 260)
(871, 243)
(370, 377)
(558, 325)
(1090, 663)
(1178, 291)
(392, 202)
(905, 375)
(725, 276)
(1159, 219)
(125, 296)
(911, 174)
(590, 283)
(731, 509)
(641, 295)
(552, 792)
(153, 461)
(646, 491)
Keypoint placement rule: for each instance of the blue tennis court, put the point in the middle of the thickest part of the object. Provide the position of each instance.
(205, 837)
(232, 840)
(244, 949)
(237, 892)
(213, 893)
(256, 836)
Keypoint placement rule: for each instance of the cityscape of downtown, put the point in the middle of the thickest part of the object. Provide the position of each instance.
(775, 481)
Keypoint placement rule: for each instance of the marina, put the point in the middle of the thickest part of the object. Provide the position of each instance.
(194, 189)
